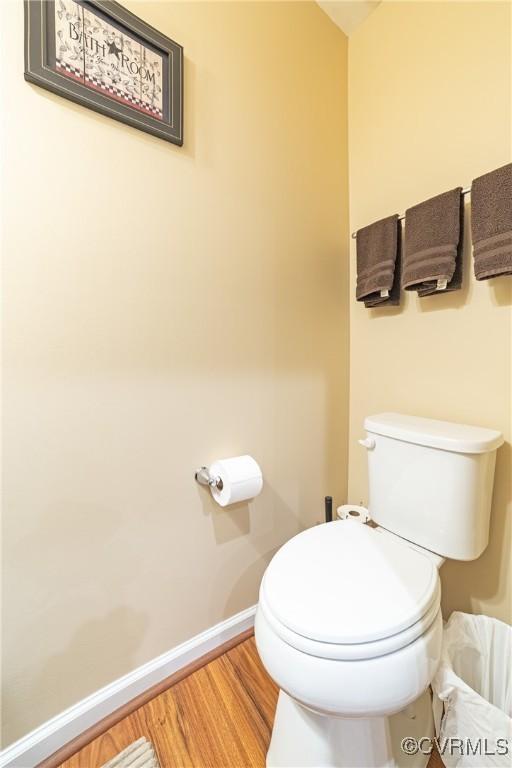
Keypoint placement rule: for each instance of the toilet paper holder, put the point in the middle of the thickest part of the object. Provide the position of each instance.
(204, 477)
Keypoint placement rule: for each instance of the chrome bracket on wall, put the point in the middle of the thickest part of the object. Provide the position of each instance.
(203, 477)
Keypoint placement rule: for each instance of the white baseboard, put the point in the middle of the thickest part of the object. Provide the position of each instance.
(55, 733)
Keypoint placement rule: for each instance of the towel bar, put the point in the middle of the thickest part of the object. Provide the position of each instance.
(465, 191)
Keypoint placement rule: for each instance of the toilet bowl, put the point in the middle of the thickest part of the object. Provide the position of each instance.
(349, 621)
(349, 626)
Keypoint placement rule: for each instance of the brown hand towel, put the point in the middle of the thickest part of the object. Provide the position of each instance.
(377, 251)
(433, 244)
(491, 223)
(393, 299)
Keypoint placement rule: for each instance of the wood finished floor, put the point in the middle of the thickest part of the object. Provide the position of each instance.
(221, 716)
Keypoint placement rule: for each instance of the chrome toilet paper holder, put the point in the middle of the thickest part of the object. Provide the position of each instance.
(203, 477)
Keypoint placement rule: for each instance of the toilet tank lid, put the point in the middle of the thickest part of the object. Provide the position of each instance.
(445, 435)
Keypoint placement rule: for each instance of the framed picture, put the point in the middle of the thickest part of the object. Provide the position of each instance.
(101, 56)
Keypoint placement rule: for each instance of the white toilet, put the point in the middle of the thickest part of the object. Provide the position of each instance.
(349, 622)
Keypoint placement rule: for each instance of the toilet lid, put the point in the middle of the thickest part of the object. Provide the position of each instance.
(347, 583)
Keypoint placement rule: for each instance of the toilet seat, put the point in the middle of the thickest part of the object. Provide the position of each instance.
(341, 591)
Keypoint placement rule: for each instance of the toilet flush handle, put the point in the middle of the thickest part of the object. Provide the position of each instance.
(368, 443)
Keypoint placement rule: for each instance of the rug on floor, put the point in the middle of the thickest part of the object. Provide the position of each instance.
(140, 754)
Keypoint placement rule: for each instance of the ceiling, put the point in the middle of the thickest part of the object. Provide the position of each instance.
(347, 15)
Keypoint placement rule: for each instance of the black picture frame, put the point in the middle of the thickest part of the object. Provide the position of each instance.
(162, 117)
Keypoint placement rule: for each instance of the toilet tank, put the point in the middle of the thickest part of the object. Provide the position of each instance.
(431, 482)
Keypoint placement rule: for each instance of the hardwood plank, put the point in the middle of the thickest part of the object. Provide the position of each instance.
(253, 677)
(244, 726)
(163, 723)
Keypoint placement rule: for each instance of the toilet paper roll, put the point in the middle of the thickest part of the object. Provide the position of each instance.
(241, 479)
(353, 512)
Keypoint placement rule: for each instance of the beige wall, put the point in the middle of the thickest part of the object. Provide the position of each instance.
(429, 109)
(164, 307)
